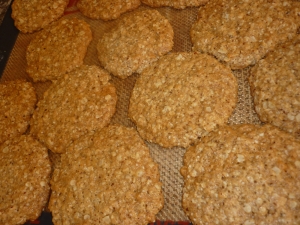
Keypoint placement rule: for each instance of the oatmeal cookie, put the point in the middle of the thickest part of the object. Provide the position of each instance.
(177, 4)
(243, 174)
(25, 175)
(177, 99)
(240, 33)
(106, 178)
(139, 38)
(275, 87)
(17, 103)
(58, 49)
(80, 102)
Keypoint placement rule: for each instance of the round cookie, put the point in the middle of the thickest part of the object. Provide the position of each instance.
(106, 178)
(177, 4)
(243, 174)
(177, 99)
(25, 175)
(30, 16)
(80, 102)
(106, 9)
(17, 103)
(58, 49)
(240, 33)
(275, 87)
(138, 39)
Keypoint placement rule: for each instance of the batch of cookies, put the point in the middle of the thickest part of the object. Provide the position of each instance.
(233, 174)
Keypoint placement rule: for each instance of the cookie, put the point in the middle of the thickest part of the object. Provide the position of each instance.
(243, 174)
(240, 33)
(177, 4)
(275, 87)
(106, 9)
(58, 49)
(177, 99)
(25, 175)
(106, 178)
(31, 16)
(80, 102)
(139, 38)
(17, 103)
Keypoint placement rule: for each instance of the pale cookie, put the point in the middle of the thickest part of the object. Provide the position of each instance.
(80, 102)
(106, 9)
(275, 87)
(34, 15)
(181, 97)
(17, 103)
(139, 38)
(240, 33)
(177, 4)
(58, 49)
(243, 174)
(106, 178)
(25, 175)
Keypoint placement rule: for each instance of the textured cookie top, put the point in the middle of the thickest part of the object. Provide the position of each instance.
(106, 178)
(17, 103)
(241, 32)
(138, 39)
(58, 49)
(244, 174)
(106, 9)
(24, 185)
(80, 102)
(177, 99)
(178, 4)
(33, 15)
(275, 86)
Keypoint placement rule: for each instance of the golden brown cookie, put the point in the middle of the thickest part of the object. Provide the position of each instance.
(240, 33)
(34, 15)
(106, 9)
(80, 102)
(106, 178)
(17, 103)
(138, 39)
(243, 174)
(177, 99)
(177, 4)
(58, 49)
(25, 175)
(275, 87)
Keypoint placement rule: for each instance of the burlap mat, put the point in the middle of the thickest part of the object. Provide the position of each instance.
(169, 160)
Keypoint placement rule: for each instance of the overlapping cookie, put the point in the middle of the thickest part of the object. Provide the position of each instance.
(181, 97)
(177, 4)
(25, 175)
(58, 49)
(17, 103)
(138, 39)
(243, 174)
(240, 33)
(34, 15)
(275, 87)
(80, 102)
(106, 178)
(106, 9)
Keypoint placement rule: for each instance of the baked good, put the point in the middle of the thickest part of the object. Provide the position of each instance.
(58, 49)
(275, 87)
(177, 100)
(139, 38)
(17, 103)
(25, 175)
(80, 102)
(243, 174)
(108, 177)
(177, 4)
(240, 33)
(106, 9)
(31, 16)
